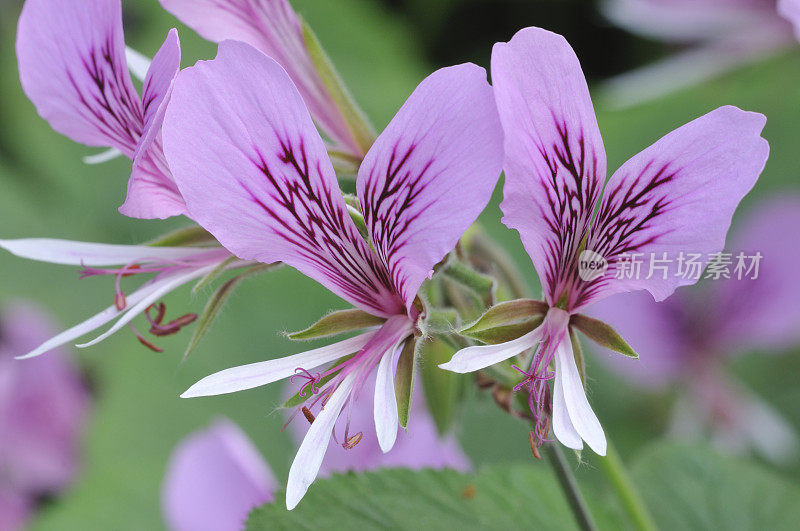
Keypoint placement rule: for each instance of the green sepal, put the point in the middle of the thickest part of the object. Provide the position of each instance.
(506, 321)
(404, 380)
(215, 304)
(337, 322)
(443, 389)
(482, 285)
(363, 132)
(441, 320)
(602, 334)
(185, 237)
(213, 275)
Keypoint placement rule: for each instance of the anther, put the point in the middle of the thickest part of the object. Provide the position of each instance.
(352, 441)
(309, 415)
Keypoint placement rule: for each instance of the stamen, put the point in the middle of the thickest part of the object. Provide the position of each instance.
(173, 327)
(313, 380)
(119, 300)
(144, 341)
(352, 441)
(309, 415)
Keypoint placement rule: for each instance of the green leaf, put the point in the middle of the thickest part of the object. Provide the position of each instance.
(404, 380)
(691, 487)
(338, 322)
(443, 389)
(517, 496)
(506, 321)
(185, 237)
(602, 334)
(357, 122)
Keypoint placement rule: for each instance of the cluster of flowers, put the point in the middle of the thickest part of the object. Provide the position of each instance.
(248, 146)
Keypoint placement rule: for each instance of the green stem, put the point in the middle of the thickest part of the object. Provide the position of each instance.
(614, 469)
(570, 486)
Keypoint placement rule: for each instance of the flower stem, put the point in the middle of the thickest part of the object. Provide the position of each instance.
(570, 486)
(614, 469)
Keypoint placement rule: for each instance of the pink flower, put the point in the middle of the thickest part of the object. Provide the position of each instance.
(255, 173)
(43, 409)
(720, 35)
(72, 66)
(688, 338)
(214, 478)
(676, 196)
(273, 27)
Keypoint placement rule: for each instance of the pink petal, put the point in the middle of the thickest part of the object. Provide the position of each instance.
(677, 196)
(15, 510)
(431, 172)
(44, 405)
(72, 67)
(274, 28)
(256, 175)
(264, 372)
(214, 478)
(790, 10)
(152, 193)
(658, 331)
(555, 161)
(688, 20)
(762, 314)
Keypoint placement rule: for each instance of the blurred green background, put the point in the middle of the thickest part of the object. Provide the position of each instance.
(382, 49)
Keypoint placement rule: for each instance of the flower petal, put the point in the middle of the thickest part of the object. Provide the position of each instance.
(103, 156)
(790, 10)
(580, 412)
(158, 289)
(152, 192)
(431, 172)
(214, 478)
(555, 160)
(72, 67)
(69, 252)
(563, 429)
(309, 456)
(762, 313)
(677, 196)
(274, 28)
(256, 175)
(264, 372)
(385, 403)
(475, 358)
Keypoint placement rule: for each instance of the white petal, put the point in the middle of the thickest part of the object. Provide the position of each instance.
(103, 156)
(580, 412)
(474, 358)
(69, 252)
(264, 372)
(94, 322)
(563, 429)
(771, 434)
(138, 64)
(155, 291)
(309, 456)
(385, 403)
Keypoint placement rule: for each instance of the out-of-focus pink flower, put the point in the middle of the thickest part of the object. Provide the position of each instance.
(418, 447)
(687, 339)
(43, 408)
(215, 477)
(719, 35)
